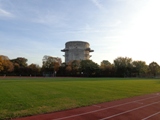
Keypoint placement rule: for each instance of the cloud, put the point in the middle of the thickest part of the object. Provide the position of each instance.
(116, 23)
(5, 13)
(46, 19)
(49, 18)
(97, 4)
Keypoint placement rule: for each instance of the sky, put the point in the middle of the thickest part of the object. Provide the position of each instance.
(113, 28)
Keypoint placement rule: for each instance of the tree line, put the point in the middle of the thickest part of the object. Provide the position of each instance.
(121, 67)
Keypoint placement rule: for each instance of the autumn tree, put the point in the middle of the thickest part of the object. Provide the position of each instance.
(1, 64)
(68, 68)
(5, 64)
(50, 64)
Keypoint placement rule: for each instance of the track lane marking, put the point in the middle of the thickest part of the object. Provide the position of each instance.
(129, 111)
(151, 116)
(71, 116)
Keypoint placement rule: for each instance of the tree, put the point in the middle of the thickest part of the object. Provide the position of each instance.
(154, 68)
(34, 69)
(89, 68)
(123, 66)
(68, 69)
(20, 66)
(106, 68)
(22, 62)
(105, 63)
(56, 66)
(62, 70)
(1, 64)
(5, 64)
(50, 64)
(75, 66)
(139, 67)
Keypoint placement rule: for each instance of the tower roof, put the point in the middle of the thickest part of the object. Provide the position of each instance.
(77, 42)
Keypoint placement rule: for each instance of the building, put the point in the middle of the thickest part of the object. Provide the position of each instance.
(77, 50)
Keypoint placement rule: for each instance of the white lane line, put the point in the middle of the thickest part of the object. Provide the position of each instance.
(102, 109)
(129, 111)
(151, 116)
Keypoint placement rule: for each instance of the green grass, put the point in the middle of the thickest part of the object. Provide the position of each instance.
(28, 96)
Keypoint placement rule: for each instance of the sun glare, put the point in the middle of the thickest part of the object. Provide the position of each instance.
(143, 33)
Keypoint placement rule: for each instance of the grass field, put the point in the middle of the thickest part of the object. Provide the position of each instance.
(29, 96)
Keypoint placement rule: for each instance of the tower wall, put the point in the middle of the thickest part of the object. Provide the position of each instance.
(76, 50)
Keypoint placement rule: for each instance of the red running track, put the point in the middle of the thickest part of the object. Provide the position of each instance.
(137, 108)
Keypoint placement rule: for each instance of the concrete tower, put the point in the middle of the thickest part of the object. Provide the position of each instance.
(77, 50)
